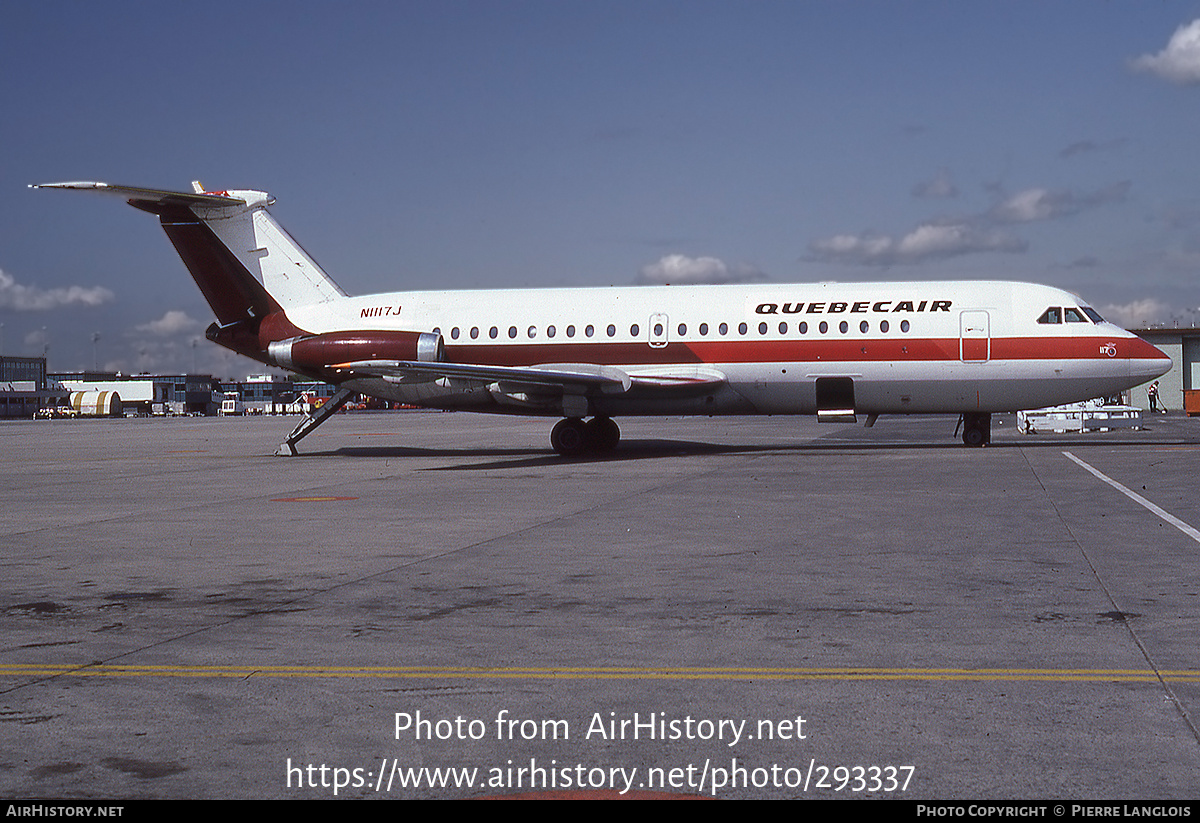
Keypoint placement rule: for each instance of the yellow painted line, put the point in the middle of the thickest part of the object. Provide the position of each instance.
(602, 673)
(309, 499)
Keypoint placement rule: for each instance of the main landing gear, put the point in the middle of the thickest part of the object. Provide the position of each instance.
(976, 429)
(573, 437)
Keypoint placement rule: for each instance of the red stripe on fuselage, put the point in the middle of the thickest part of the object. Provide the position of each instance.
(872, 350)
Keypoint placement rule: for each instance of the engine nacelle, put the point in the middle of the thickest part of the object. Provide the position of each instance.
(319, 352)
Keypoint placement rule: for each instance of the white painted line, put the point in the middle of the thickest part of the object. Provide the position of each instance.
(1137, 498)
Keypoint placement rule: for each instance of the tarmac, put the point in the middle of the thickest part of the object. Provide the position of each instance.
(435, 605)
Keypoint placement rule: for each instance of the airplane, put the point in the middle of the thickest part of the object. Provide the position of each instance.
(836, 350)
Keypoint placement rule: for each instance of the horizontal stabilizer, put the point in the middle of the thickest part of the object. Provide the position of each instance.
(244, 262)
(169, 198)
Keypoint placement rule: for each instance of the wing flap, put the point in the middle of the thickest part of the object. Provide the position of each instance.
(558, 376)
(681, 378)
(550, 378)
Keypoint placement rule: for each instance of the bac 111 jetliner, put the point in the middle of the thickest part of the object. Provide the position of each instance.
(830, 349)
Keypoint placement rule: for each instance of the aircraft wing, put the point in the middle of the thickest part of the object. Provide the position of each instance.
(583, 376)
(550, 378)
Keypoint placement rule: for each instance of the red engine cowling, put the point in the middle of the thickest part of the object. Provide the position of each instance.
(320, 352)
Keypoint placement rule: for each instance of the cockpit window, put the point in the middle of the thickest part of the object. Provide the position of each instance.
(1092, 313)
(1074, 315)
(1051, 315)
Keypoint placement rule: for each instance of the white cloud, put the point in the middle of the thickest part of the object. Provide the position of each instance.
(1026, 206)
(1043, 204)
(682, 270)
(171, 323)
(1179, 62)
(36, 339)
(930, 241)
(967, 234)
(1137, 315)
(14, 295)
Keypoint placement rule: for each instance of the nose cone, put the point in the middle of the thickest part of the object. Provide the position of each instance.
(1146, 362)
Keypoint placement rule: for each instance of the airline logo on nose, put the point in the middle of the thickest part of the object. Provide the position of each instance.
(1109, 348)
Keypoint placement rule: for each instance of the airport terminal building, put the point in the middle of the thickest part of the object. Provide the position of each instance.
(195, 394)
(24, 388)
(1181, 385)
(149, 393)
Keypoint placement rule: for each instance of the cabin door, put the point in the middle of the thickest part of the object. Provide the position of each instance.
(975, 342)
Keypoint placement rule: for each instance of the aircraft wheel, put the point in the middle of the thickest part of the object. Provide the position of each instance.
(603, 434)
(568, 437)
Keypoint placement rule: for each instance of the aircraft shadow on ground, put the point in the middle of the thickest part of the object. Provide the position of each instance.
(663, 448)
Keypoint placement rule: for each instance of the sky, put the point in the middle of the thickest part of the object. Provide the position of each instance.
(506, 144)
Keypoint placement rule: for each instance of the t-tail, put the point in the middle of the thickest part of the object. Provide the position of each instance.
(250, 270)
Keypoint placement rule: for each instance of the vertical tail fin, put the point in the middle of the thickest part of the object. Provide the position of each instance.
(245, 263)
(265, 249)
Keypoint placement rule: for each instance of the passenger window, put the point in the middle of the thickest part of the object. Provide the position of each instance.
(703, 329)
(549, 331)
(824, 327)
(723, 328)
(1051, 315)
(570, 331)
(532, 332)
(612, 330)
(1073, 315)
(474, 332)
(742, 328)
(493, 331)
(783, 328)
(682, 329)
(633, 330)
(762, 328)
(454, 333)
(803, 328)
(589, 331)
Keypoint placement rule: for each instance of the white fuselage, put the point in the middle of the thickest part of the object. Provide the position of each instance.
(913, 347)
